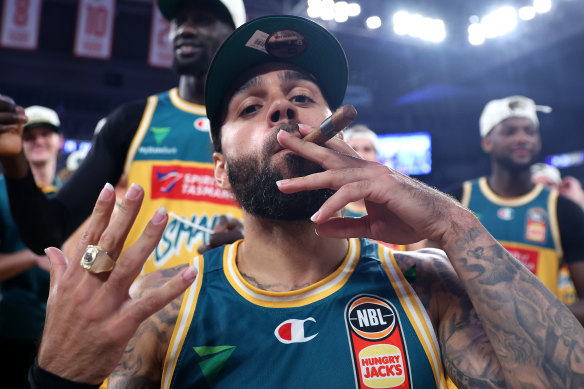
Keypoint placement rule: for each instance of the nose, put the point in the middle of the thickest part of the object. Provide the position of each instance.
(282, 110)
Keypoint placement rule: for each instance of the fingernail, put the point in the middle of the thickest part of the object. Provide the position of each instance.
(107, 192)
(284, 133)
(282, 182)
(190, 274)
(304, 127)
(316, 232)
(159, 215)
(315, 216)
(133, 191)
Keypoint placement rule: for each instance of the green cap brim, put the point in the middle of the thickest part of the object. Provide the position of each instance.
(322, 56)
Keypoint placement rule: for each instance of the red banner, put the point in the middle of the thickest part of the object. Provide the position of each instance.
(160, 52)
(95, 28)
(20, 24)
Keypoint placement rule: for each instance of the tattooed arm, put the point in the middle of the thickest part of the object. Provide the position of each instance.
(535, 338)
(142, 361)
(527, 337)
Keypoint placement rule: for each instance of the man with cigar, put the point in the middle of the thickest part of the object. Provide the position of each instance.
(161, 143)
(292, 307)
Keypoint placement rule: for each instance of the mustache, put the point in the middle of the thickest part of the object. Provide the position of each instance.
(272, 146)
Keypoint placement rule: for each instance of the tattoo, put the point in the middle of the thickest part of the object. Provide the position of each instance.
(142, 362)
(533, 338)
(276, 287)
(281, 287)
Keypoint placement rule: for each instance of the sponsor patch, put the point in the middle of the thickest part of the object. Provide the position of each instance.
(293, 331)
(536, 225)
(188, 183)
(529, 258)
(377, 343)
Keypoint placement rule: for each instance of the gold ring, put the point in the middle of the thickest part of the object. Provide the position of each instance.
(96, 260)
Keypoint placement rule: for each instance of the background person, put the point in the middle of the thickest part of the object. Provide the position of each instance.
(24, 277)
(538, 227)
(161, 143)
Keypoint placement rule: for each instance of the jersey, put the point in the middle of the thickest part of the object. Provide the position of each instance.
(361, 327)
(170, 156)
(526, 226)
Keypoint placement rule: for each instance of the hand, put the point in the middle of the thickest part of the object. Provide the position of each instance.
(11, 115)
(400, 209)
(572, 189)
(12, 118)
(91, 318)
(227, 230)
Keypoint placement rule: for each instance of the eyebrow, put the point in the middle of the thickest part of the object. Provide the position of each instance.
(289, 75)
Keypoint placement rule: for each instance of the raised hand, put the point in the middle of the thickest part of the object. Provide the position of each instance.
(91, 317)
(400, 209)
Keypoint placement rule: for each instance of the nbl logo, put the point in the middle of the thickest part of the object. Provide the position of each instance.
(371, 318)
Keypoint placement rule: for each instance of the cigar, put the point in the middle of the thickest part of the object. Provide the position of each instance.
(332, 125)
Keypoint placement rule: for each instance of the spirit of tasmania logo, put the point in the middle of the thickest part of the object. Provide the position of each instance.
(188, 183)
(377, 344)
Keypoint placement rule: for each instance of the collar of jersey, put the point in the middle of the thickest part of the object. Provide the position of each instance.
(184, 105)
(511, 201)
(296, 298)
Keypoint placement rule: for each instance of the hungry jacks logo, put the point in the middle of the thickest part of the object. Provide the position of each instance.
(377, 343)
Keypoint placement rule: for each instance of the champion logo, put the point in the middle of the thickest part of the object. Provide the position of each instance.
(505, 213)
(292, 331)
(168, 180)
(202, 124)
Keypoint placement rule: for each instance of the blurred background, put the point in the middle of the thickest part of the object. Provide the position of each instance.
(420, 70)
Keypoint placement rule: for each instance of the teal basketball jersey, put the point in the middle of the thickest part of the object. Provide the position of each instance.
(526, 226)
(361, 327)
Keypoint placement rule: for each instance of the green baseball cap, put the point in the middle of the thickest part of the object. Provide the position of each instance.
(288, 39)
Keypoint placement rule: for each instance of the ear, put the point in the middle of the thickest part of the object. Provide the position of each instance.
(221, 176)
(486, 144)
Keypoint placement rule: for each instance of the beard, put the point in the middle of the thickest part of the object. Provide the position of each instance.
(196, 66)
(256, 191)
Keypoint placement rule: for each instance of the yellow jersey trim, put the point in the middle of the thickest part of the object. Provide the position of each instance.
(416, 313)
(141, 132)
(296, 298)
(466, 191)
(183, 323)
(184, 105)
(511, 201)
(554, 225)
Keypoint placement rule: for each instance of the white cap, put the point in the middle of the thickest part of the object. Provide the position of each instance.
(38, 115)
(514, 106)
(545, 170)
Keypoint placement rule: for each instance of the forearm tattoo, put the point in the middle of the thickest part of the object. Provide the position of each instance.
(534, 338)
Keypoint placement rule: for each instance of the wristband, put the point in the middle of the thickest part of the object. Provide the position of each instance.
(39, 378)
